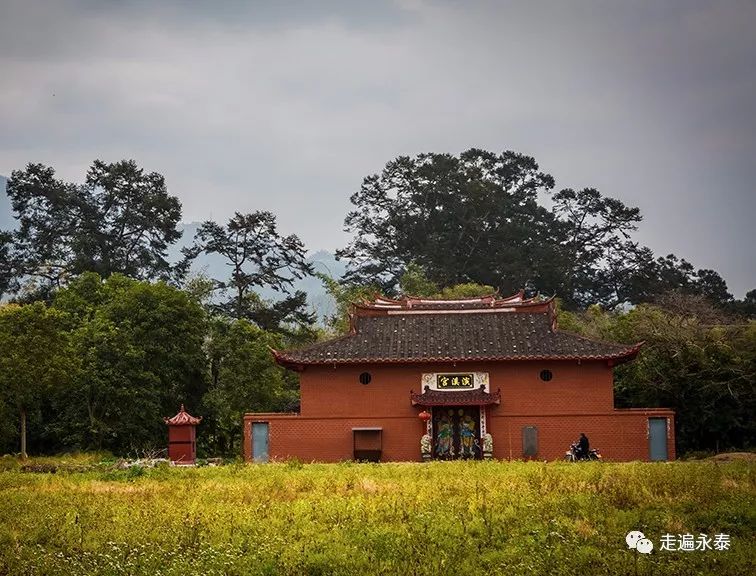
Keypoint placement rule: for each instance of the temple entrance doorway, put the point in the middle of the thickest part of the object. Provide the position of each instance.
(456, 433)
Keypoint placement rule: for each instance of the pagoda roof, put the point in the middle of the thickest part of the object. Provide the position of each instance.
(183, 418)
(464, 330)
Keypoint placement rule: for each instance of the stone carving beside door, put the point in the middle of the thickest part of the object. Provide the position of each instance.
(487, 446)
(426, 446)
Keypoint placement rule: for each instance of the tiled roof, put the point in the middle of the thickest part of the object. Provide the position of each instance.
(457, 335)
(478, 397)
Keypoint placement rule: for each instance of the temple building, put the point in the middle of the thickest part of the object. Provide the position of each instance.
(482, 377)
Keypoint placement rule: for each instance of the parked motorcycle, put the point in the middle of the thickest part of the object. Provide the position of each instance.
(573, 454)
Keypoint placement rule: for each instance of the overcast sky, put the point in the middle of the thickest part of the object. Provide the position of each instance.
(286, 106)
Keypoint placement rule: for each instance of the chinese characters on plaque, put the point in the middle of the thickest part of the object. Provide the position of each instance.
(454, 381)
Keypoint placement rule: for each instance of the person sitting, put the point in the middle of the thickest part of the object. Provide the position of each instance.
(583, 447)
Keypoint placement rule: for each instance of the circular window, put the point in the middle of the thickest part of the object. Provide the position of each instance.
(546, 375)
(365, 378)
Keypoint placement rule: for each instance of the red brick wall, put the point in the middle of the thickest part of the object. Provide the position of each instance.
(579, 398)
(331, 439)
(328, 391)
(620, 435)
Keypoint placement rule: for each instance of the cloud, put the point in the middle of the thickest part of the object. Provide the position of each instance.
(286, 106)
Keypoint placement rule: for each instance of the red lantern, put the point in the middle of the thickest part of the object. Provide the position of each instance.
(424, 416)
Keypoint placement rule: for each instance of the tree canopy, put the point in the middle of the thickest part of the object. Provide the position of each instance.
(487, 219)
(94, 252)
(8, 274)
(257, 256)
(243, 377)
(140, 347)
(414, 282)
(35, 358)
(113, 347)
(693, 361)
(121, 219)
(472, 218)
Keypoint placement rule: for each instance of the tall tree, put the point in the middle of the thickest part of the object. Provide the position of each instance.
(415, 283)
(477, 218)
(289, 317)
(600, 255)
(8, 274)
(243, 377)
(141, 351)
(344, 295)
(121, 219)
(35, 357)
(745, 307)
(694, 361)
(672, 274)
(257, 256)
(472, 218)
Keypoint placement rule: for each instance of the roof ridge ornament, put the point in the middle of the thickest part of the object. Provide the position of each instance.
(383, 305)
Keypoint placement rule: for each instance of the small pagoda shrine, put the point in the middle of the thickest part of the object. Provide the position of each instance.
(182, 445)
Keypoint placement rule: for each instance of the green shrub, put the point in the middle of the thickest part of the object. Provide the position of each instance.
(135, 471)
(9, 462)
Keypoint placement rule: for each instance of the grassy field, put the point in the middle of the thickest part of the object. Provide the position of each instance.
(438, 518)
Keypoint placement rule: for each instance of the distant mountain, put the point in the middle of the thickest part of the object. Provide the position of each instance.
(320, 301)
(215, 266)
